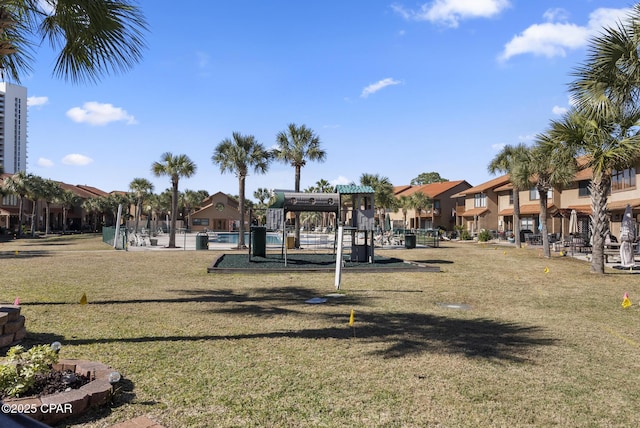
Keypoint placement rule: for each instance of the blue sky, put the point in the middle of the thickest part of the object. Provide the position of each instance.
(394, 88)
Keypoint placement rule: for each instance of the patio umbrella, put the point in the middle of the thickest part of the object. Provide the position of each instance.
(573, 223)
(627, 237)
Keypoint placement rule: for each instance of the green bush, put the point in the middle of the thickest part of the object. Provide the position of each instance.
(465, 235)
(18, 372)
(484, 236)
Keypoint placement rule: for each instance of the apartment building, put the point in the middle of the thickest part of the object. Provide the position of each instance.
(443, 211)
(490, 205)
(13, 127)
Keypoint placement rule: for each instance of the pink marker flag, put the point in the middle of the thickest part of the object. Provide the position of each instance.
(17, 301)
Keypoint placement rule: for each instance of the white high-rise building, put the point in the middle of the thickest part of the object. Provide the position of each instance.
(13, 127)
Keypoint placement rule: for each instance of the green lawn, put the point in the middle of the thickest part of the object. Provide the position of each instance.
(202, 350)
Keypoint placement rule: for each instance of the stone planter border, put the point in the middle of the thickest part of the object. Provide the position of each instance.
(50, 409)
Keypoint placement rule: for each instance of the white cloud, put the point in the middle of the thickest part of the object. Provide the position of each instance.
(555, 15)
(340, 180)
(451, 12)
(44, 162)
(375, 87)
(76, 159)
(555, 38)
(95, 113)
(546, 39)
(557, 110)
(497, 147)
(37, 101)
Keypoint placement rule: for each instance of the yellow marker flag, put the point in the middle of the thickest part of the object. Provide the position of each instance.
(625, 301)
(505, 253)
(351, 318)
(546, 270)
(83, 299)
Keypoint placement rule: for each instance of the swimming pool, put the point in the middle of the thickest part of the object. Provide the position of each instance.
(273, 238)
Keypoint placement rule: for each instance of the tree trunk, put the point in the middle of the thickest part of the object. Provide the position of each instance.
(599, 221)
(174, 213)
(516, 217)
(297, 214)
(543, 222)
(241, 182)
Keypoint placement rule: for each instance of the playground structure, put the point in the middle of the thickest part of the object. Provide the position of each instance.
(352, 205)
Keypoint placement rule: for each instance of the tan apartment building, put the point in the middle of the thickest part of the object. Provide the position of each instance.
(219, 213)
(490, 205)
(441, 214)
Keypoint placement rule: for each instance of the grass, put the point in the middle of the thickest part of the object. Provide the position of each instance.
(201, 350)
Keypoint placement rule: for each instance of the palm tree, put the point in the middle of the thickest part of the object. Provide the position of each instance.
(548, 165)
(604, 127)
(35, 192)
(419, 202)
(93, 38)
(323, 186)
(191, 200)
(510, 158)
(141, 188)
(297, 145)
(239, 154)
(17, 184)
(68, 200)
(263, 196)
(405, 204)
(92, 206)
(383, 196)
(51, 190)
(606, 148)
(175, 167)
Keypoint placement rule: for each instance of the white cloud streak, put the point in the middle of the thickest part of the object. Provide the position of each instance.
(375, 87)
(37, 101)
(44, 162)
(557, 110)
(450, 12)
(100, 114)
(554, 38)
(76, 159)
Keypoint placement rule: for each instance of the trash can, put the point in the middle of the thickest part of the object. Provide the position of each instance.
(202, 241)
(259, 241)
(291, 242)
(410, 240)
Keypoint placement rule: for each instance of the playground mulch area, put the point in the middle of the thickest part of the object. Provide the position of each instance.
(310, 262)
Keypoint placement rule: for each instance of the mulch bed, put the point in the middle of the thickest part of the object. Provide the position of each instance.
(55, 381)
(308, 262)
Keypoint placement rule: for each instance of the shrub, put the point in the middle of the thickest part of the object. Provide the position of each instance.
(484, 236)
(465, 235)
(18, 372)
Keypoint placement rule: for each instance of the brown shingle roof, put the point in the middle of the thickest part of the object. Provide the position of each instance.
(433, 190)
(491, 184)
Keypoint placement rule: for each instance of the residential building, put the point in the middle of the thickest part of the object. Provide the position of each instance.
(490, 204)
(443, 211)
(219, 212)
(481, 208)
(13, 127)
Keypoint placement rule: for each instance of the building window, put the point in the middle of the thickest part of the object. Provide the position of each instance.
(534, 195)
(511, 197)
(583, 188)
(201, 222)
(480, 200)
(622, 180)
(527, 223)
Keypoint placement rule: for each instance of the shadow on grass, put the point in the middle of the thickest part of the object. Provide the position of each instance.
(286, 295)
(24, 254)
(397, 335)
